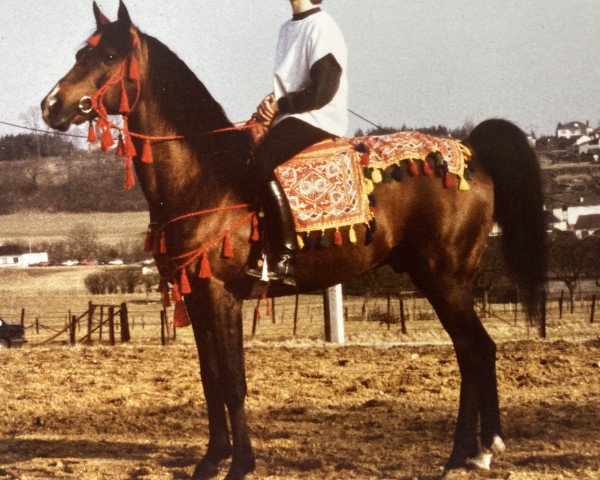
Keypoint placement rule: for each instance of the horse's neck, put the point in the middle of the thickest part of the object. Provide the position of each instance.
(184, 176)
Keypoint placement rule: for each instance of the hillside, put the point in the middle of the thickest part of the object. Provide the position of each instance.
(87, 182)
(92, 182)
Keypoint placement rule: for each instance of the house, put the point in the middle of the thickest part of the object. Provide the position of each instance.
(587, 225)
(590, 147)
(573, 129)
(569, 216)
(23, 259)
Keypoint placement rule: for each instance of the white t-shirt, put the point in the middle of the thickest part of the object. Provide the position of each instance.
(301, 44)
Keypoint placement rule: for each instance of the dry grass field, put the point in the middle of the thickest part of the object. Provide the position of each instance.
(381, 407)
(51, 227)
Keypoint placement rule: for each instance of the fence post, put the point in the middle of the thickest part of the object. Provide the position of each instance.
(402, 317)
(296, 314)
(254, 321)
(72, 330)
(560, 304)
(543, 331)
(163, 321)
(167, 324)
(111, 325)
(90, 321)
(593, 309)
(334, 314)
(101, 323)
(23, 316)
(124, 321)
(389, 310)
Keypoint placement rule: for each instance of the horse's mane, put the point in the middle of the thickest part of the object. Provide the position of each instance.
(189, 107)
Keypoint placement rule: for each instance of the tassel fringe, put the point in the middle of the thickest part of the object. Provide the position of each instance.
(129, 178)
(227, 251)
(147, 152)
(204, 271)
(180, 315)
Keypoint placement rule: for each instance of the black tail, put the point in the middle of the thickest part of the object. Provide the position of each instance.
(505, 153)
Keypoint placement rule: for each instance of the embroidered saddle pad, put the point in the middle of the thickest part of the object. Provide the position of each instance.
(325, 188)
(328, 184)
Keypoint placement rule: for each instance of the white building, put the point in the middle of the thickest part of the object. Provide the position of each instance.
(573, 129)
(568, 217)
(23, 260)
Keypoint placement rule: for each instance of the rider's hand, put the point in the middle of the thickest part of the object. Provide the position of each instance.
(267, 110)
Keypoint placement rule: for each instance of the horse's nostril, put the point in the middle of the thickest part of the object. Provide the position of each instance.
(55, 105)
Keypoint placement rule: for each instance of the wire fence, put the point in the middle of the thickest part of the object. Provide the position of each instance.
(406, 318)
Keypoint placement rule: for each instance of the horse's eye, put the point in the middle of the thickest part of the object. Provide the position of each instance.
(109, 57)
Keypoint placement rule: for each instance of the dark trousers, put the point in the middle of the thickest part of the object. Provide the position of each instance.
(284, 140)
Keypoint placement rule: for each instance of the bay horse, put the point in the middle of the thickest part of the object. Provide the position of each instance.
(437, 235)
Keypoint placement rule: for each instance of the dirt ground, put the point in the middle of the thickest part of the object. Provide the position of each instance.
(316, 412)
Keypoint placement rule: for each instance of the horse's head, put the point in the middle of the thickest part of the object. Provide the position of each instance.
(77, 97)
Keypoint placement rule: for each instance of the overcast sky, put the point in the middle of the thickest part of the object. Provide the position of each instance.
(417, 63)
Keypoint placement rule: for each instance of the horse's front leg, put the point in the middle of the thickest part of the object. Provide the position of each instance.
(219, 444)
(223, 314)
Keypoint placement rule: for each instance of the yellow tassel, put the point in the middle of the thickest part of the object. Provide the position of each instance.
(376, 176)
(464, 185)
(352, 234)
(465, 150)
(300, 241)
(369, 187)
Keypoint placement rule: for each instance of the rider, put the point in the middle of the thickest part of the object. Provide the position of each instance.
(308, 105)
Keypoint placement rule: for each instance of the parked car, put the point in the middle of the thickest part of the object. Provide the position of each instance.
(11, 335)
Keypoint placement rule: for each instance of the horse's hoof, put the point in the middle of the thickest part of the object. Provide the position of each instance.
(205, 470)
(240, 470)
(483, 459)
(455, 474)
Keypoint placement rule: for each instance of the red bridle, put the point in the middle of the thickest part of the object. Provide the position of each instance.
(127, 70)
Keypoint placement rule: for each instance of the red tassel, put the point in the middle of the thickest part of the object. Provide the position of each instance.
(175, 293)
(134, 73)
(94, 40)
(92, 137)
(184, 283)
(255, 237)
(163, 242)
(449, 180)
(413, 168)
(124, 108)
(427, 170)
(365, 159)
(180, 315)
(147, 152)
(337, 238)
(129, 147)
(204, 267)
(120, 147)
(149, 241)
(107, 140)
(129, 178)
(227, 251)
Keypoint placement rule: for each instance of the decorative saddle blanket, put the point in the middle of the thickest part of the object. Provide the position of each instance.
(329, 184)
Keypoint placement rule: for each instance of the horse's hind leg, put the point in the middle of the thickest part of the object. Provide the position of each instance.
(476, 356)
(217, 323)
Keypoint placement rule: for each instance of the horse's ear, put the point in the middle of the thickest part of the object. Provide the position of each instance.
(124, 14)
(100, 17)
